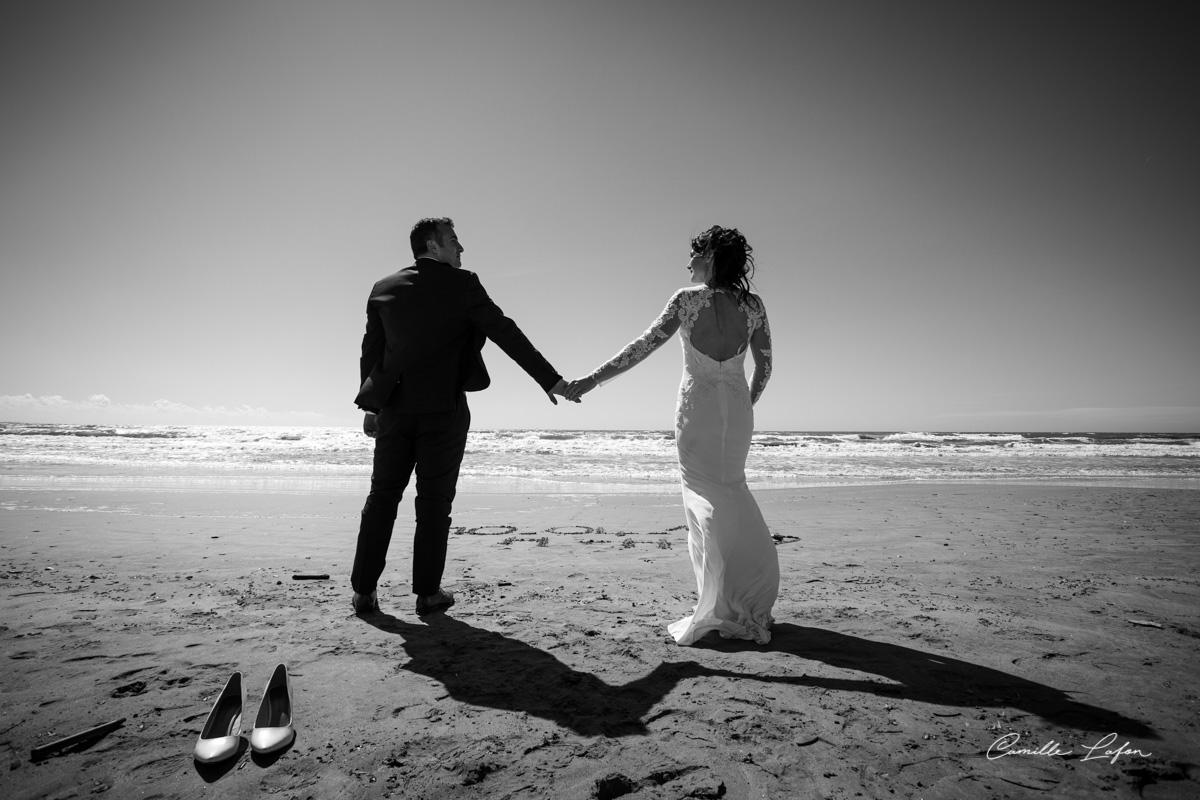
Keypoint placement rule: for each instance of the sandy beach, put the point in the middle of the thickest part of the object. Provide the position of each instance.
(918, 625)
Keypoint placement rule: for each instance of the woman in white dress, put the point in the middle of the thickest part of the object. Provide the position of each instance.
(733, 554)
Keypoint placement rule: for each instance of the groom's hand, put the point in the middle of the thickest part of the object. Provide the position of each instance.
(560, 388)
(579, 387)
(370, 424)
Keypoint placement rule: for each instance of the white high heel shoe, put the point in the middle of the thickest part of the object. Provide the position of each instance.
(273, 729)
(221, 735)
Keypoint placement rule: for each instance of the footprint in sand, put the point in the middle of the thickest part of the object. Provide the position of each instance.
(130, 689)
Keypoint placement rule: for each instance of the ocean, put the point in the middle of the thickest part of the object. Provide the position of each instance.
(305, 459)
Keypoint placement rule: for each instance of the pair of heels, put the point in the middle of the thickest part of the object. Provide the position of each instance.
(273, 730)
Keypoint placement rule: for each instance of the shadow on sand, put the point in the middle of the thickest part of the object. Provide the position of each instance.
(488, 669)
(932, 678)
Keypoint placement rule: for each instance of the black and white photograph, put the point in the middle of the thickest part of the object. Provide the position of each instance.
(503, 399)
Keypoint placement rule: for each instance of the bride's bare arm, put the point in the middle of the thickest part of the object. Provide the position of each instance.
(633, 353)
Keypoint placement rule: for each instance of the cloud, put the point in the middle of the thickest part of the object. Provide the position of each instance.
(157, 411)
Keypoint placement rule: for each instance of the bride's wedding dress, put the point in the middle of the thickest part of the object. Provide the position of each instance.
(733, 554)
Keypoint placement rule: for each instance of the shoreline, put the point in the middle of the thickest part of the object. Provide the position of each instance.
(251, 482)
(917, 624)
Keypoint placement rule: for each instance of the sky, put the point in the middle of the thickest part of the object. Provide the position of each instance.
(966, 216)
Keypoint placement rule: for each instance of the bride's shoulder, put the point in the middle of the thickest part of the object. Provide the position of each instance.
(682, 295)
(687, 302)
(692, 292)
(755, 301)
(692, 296)
(755, 310)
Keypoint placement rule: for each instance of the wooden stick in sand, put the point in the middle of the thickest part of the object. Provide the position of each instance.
(41, 752)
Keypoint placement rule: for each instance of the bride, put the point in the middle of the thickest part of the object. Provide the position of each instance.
(733, 554)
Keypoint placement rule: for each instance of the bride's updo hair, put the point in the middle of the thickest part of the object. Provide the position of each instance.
(733, 261)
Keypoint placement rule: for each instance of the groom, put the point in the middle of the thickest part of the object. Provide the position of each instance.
(426, 326)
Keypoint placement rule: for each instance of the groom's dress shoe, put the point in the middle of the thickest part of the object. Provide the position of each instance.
(365, 603)
(427, 604)
(220, 739)
(273, 729)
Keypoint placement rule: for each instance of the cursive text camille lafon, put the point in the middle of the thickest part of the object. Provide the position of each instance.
(1007, 746)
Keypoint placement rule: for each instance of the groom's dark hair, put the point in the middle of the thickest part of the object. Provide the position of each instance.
(425, 230)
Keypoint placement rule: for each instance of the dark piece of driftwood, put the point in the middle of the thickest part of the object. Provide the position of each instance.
(45, 750)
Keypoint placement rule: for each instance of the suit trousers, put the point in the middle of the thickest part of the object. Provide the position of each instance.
(433, 445)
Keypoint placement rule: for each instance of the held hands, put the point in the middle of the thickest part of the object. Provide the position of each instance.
(579, 387)
(574, 390)
(561, 388)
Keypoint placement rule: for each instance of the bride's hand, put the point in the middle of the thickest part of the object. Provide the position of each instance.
(579, 387)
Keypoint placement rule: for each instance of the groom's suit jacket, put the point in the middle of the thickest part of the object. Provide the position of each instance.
(426, 326)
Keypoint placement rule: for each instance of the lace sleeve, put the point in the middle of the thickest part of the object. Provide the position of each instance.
(636, 351)
(760, 346)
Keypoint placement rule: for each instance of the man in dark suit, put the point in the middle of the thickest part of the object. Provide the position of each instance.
(421, 353)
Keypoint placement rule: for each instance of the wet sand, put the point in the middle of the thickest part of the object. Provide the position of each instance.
(917, 625)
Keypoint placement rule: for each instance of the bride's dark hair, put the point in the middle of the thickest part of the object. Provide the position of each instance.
(733, 261)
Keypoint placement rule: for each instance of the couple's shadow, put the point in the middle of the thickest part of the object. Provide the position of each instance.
(488, 669)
